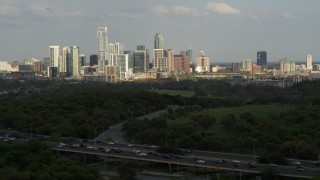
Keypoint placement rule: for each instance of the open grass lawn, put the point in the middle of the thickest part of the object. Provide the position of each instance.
(260, 111)
(174, 92)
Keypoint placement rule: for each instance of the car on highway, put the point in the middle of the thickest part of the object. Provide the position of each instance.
(235, 161)
(130, 145)
(115, 150)
(61, 144)
(153, 153)
(74, 145)
(316, 163)
(141, 154)
(107, 150)
(300, 168)
(220, 161)
(166, 156)
(272, 164)
(201, 161)
(296, 162)
(252, 164)
(136, 151)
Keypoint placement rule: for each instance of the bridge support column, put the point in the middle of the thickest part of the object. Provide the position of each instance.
(170, 168)
(177, 167)
(84, 158)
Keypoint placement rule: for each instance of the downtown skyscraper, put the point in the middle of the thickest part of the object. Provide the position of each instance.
(262, 59)
(158, 41)
(103, 48)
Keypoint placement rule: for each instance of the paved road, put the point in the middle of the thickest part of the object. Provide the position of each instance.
(117, 135)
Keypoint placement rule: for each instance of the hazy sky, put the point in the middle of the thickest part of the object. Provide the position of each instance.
(226, 30)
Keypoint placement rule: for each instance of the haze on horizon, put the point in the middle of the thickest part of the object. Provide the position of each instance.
(226, 30)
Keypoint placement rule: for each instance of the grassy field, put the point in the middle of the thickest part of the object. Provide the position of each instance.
(174, 92)
(260, 111)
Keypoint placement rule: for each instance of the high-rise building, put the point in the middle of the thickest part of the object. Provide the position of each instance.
(309, 62)
(83, 61)
(54, 56)
(181, 62)
(202, 63)
(158, 53)
(158, 41)
(262, 59)
(189, 53)
(169, 54)
(286, 65)
(246, 65)
(64, 63)
(103, 48)
(116, 48)
(74, 58)
(141, 60)
(236, 66)
(93, 59)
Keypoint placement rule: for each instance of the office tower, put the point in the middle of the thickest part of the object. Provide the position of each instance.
(181, 62)
(116, 48)
(75, 61)
(103, 48)
(202, 63)
(64, 63)
(130, 59)
(54, 56)
(190, 54)
(141, 60)
(93, 59)
(309, 62)
(141, 47)
(236, 66)
(169, 54)
(262, 59)
(158, 41)
(46, 61)
(246, 65)
(287, 65)
(158, 64)
(83, 61)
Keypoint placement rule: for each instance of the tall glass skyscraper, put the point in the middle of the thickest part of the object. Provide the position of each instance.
(103, 48)
(262, 59)
(158, 41)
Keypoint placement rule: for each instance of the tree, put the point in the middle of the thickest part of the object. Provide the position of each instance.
(269, 174)
(128, 170)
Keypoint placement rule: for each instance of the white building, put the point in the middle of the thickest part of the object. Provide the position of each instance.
(309, 62)
(103, 48)
(246, 65)
(286, 65)
(54, 52)
(202, 63)
(74, 58)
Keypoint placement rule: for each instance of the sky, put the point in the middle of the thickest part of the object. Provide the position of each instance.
(226, 30)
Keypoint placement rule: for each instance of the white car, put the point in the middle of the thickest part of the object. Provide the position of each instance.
(130, 145)
(60, 144)
(236, 161)
(201, 161)
(296, 162)
(142, 154)
(107, 150)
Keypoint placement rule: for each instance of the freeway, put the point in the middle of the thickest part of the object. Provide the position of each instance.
(207, 161)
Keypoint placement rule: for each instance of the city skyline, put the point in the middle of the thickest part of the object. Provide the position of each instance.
(226, 31)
